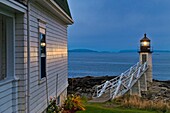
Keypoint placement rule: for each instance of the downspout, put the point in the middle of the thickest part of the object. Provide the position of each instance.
(28, 57)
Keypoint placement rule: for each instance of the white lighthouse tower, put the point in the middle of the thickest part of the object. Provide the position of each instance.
(145, 53)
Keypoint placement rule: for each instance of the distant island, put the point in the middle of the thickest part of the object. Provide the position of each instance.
(161, 51)
(120, 51)
(128, 51)
(82, 50)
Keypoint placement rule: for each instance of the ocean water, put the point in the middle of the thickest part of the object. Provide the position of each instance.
(112, 64)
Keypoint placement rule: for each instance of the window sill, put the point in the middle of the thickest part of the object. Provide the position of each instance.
(7, 80)
(41, 80)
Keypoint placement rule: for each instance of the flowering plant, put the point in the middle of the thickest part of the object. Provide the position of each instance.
(52, 108)
(74, 103)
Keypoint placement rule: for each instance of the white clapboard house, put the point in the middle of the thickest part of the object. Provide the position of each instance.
(33, 54)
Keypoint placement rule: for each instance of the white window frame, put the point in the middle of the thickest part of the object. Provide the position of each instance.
(41, 29)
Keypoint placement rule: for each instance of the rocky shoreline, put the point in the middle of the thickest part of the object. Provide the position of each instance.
(158, 90)
(83, 86)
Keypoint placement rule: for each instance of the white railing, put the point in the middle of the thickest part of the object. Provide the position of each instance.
(121, 84)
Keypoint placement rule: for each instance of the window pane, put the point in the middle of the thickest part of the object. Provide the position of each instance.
(145, 43)
(43, 54)
(43, 67)
(43, 45)
(2, 48)
(144, 58)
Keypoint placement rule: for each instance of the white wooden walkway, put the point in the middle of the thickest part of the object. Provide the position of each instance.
(119, 85)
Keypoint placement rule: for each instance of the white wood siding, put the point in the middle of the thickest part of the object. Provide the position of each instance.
(6, 97)
(56, 47)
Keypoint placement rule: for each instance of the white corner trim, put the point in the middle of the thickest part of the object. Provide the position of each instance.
(15, 5)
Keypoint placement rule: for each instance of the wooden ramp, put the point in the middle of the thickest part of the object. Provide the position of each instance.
(120, 85)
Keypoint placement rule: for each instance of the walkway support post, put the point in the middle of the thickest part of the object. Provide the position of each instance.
(136, 89)
(143, 82)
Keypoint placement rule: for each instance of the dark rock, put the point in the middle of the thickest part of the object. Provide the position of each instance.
(158, 90)
(85, 86)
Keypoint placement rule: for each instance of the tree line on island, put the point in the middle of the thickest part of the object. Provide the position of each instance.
(119, 51)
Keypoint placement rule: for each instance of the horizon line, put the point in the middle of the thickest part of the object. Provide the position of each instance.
(115, 50)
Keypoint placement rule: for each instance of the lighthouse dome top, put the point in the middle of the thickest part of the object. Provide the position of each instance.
(145, 38)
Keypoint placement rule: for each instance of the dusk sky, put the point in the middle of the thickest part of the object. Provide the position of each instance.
(110, 25)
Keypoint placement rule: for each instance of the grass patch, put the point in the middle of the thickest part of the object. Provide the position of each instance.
(126, 104)
(137, 102)
(101, 108)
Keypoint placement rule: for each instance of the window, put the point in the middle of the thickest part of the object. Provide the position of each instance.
(145, 43)
(2, 48)
(144, 58)
(7, 65)
(42, 49)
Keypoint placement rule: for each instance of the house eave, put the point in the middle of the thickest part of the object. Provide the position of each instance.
(15, 5)
(55, 8)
